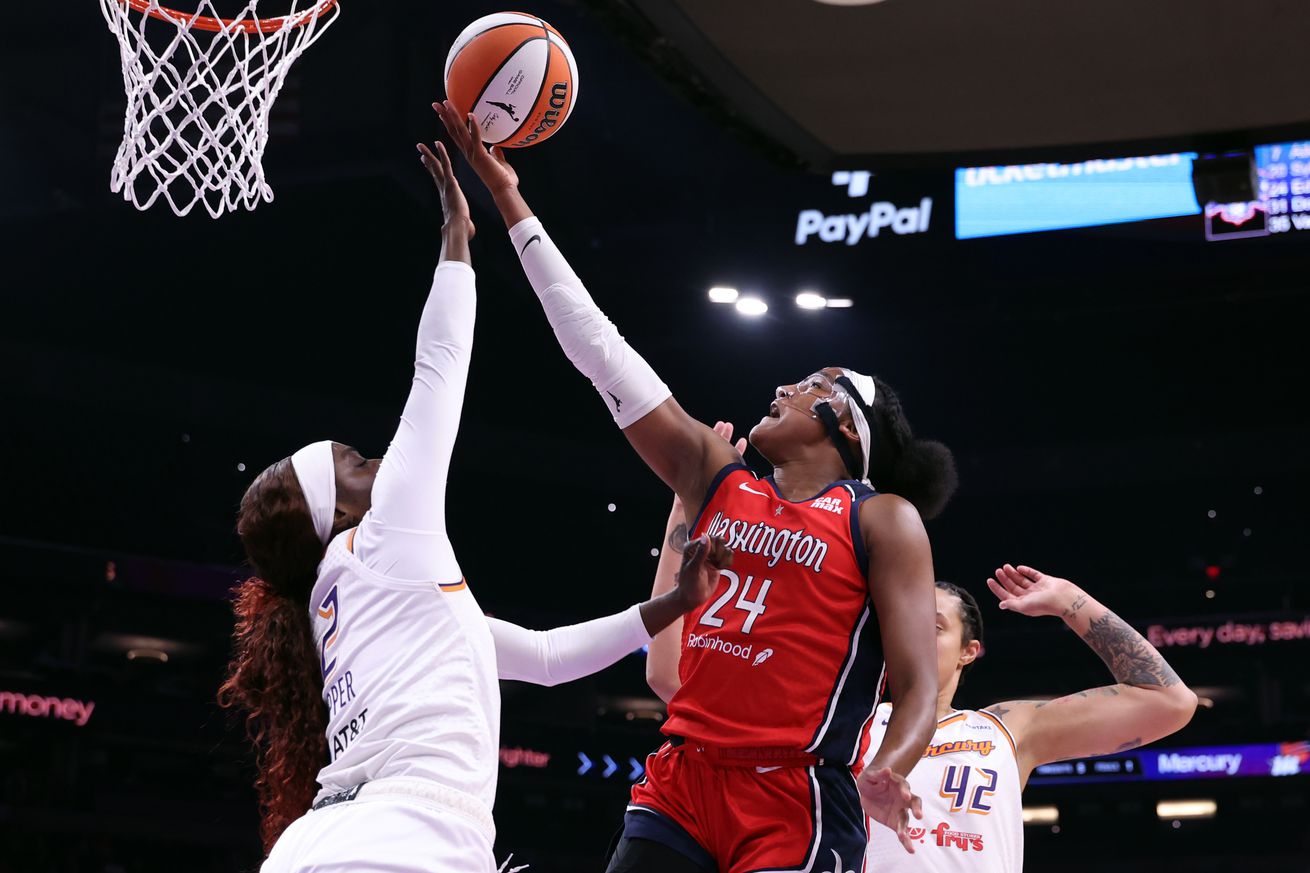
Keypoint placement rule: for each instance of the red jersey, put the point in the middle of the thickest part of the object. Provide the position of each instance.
(786, 652)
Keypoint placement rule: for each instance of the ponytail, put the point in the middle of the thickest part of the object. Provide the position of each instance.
(921, 471)
(274, 675)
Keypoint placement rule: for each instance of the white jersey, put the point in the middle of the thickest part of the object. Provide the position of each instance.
(969, 783)
(409, 678)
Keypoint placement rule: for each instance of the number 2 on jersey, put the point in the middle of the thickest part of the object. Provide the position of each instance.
(754, 608)
(956, 785)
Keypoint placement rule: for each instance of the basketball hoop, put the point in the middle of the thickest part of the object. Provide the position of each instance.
(199, 91)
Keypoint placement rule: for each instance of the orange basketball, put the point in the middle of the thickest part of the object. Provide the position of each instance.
(515, 73)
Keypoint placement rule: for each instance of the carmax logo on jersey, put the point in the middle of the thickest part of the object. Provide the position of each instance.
(853, 227)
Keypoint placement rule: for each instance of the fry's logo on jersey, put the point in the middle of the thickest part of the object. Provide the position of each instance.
(778, 544)
(983, 747)
(958, 839)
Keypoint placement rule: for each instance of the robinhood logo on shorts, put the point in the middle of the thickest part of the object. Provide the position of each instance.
(857, 226)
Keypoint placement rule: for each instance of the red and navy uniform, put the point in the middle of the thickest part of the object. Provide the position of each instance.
(781, 671)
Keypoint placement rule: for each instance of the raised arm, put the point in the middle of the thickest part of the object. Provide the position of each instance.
(684, 453)
(404, 533)
(901, 585)
(1147, 702)
(666, 648)
(568, 653)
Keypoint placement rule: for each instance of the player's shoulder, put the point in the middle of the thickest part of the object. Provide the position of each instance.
(890, 518)
(987, 722)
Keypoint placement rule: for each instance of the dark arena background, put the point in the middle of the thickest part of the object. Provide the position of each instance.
(1004, 210)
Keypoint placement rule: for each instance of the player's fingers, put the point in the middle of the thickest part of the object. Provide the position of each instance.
(741, 446)
(1000, 592)
(720, 555)
(446, 166)
(499, 154)
(903, 832)
(695, 553)
(916, 806)
(430, 162)
(1019, 579)
(1029, 572)
(1007, 584)
(1011, 579)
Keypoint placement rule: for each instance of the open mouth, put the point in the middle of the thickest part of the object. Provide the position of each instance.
(774, 410)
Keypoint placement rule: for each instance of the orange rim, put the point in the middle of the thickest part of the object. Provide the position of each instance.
(214, 25)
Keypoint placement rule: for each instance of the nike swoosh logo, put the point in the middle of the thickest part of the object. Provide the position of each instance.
(766, 769)
(536, 237)
(744, 487)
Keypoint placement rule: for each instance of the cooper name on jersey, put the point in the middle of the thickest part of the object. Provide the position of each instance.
(778, 544)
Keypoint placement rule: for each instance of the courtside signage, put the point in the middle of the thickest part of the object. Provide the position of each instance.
(47, 707)
(1191, 762)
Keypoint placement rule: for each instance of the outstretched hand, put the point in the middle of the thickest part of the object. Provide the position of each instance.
(1031, 592)
(699, 574)
(490, 165)
(454, 206)
(887, 798)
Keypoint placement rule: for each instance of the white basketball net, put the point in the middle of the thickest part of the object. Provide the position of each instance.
(198, 101)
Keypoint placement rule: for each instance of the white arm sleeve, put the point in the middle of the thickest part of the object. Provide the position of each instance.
(625, 381)
(566, 653)
(404, 535)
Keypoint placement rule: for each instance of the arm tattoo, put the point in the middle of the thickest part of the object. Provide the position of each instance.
(1000, 709)
(678, 538)
(1131, 659)
(1074, 607)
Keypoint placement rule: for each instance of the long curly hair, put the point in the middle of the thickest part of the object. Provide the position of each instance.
(274, 675)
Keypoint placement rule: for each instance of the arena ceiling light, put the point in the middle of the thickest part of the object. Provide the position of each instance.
(1180, 809)
(840, 303)
(723, 294)
(752, 306)
(811, 300)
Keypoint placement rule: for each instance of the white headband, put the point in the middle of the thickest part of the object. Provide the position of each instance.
(317, 472)
(868, 390)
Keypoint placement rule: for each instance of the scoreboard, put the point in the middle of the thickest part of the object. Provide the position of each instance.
(1284, 171)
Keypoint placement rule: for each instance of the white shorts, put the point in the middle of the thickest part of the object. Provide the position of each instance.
(391, 826)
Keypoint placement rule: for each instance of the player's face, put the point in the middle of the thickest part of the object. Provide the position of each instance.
(953, 650)
(792, 419)
(355, 475)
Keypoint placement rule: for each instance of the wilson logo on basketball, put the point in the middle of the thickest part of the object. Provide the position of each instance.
(559, 93)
